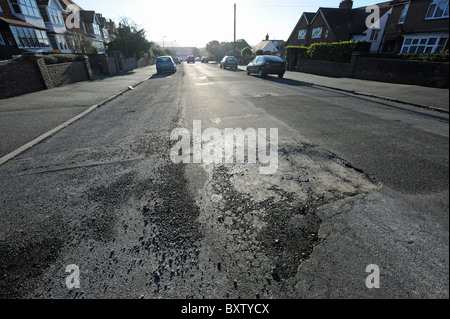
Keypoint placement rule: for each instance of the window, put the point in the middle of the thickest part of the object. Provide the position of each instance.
(55, 16)
(30, 38)
(2, 41)
(26, 7)
(302, 34)
(437, 9)
(431, 44)
(1, 9)
(59, 42)
(317, 33)
(403, 14)
(326, 33)
(374, 35)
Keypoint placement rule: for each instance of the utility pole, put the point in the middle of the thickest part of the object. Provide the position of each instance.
(234, 44)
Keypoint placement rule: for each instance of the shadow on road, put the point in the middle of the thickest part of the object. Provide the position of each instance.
(162, 75)
(274, 78)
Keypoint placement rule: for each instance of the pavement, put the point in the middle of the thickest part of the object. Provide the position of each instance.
(33, 116)
(28, 119)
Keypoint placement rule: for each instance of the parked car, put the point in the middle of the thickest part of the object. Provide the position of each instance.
(190, 59)
(229, 62)
(177, 60)
(205, 60)
(267, 64)
(165, 64)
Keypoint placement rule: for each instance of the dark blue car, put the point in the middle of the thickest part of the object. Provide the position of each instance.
(267, 64)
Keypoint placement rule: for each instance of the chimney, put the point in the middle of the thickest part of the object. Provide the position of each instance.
(267, 37)
(346, 4)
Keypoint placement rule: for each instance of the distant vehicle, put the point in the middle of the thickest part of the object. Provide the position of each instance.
(165, 64)
(205, 60)
(190, 59)
(198, 59)
(229, 62)
(267, 64)
(177, 60)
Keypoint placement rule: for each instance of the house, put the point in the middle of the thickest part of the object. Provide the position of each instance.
(417, 26)
(86, 28)
(340, 24)
(51, 11)
(92, 28)
(22, 27)
(241, 44)
(275, 47)
(375, 32)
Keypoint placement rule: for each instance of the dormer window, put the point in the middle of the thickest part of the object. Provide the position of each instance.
(317, 33)
(302, 34)
(438, 9)
(25, 7)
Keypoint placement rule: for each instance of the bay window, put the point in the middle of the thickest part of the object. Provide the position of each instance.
(30, 38)
(26, 7)
(424, 44)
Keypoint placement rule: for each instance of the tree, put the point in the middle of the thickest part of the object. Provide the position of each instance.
(259, 52)
(213, 49)
(247, 53)
(129, 39)
(78, 42)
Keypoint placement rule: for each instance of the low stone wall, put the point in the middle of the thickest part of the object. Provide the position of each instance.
(29, 73)
(67, 73)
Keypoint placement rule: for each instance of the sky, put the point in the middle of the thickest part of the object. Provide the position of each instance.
(196, 22)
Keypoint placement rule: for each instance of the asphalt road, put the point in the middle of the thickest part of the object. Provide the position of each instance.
(359, 182)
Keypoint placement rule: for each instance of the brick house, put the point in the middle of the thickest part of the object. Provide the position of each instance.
(22, 27)
(339, 24)
(417, 26)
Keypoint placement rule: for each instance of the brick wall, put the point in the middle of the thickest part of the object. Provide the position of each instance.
(325, 68)
(432, 74)
(29, 73)
(20, 76)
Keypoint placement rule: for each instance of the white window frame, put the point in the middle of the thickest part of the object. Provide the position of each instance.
(317, 33)
(55, 16)
(30, 38)
(403, 14)
(433, 10)
(374, 35)
(424, 44)
(302, 34)
(61, 42)
(27, 7)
